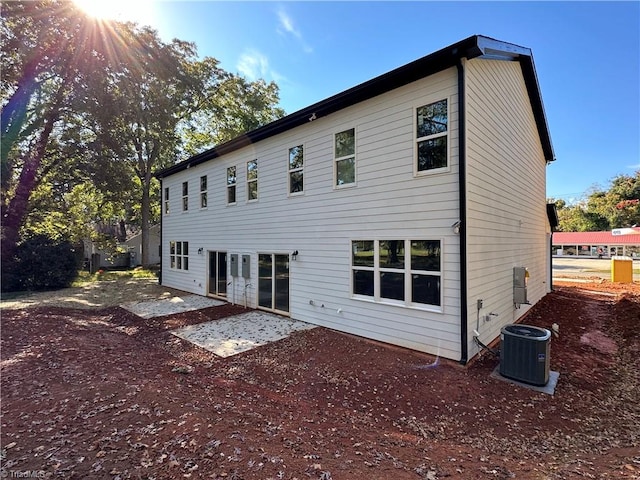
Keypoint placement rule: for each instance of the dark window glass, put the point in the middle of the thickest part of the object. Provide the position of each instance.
(296, 159)
(392, 285)
(362, 253)
(425, 255)
(432, 153)
(392, 254)
(346, 171)
(363, 282)
(431, 119)
(425, 289)
(296, 182)
(346, 143)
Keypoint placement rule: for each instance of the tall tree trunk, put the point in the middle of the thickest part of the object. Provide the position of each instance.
(14, 114)
(146, 207)
(15, 210)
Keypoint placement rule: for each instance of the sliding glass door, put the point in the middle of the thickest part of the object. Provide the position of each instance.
(273, 282)
(218, 274)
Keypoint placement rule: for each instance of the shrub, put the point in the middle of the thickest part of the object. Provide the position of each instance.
(41, 263)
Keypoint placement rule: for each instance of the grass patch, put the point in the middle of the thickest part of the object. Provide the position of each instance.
(85, 277)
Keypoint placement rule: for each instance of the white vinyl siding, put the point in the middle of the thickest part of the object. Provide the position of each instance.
(506, 205)
(390, 202)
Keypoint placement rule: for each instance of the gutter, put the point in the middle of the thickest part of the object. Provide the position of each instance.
(462, 199)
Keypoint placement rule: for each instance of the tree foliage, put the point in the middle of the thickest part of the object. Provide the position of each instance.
(43, 263)
(92, 109)
(616, 207)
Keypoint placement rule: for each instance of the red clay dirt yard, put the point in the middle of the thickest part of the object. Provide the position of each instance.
(103, 394)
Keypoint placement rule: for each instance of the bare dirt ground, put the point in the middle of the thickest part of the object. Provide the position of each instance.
(100, 393)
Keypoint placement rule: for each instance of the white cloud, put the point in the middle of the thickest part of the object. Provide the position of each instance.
(253, 65)
(286, 22)
(287, 26)
(634, 167)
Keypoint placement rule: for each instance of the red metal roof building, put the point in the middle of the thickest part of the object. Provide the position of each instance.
(621, 241)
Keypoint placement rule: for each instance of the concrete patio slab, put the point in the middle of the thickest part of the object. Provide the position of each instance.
(549, 388)
(239, 333)
(170, 306)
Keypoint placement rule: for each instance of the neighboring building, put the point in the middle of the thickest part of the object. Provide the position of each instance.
(134, 245)
(622, 241)
(399, 210)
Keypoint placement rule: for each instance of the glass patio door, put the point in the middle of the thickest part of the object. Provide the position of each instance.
(218, 274)
(273, 282)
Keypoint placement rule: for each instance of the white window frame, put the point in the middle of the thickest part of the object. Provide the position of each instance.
(345, 157)
(203, 192)
(417, 140)
(408, 275)
(185, 196)
(233, 185)
(291, 171)
(178, 260)
(166, 201)
(252, 180)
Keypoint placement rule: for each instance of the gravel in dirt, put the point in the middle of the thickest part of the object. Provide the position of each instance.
(101, 393)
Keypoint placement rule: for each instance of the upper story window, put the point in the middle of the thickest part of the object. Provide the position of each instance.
(203, 191)
(432, 128)
(166, 200)
(185, 196)
(345, 158)
(252, 180)
(404, 272)
(296, 170)
(231, 185)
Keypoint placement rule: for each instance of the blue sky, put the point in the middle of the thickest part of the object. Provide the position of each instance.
(587, 57)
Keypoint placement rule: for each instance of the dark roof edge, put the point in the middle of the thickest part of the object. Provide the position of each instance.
(440, 60)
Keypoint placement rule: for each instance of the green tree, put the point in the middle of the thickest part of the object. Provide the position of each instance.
(616, 207)
(91, 110)
(47, 48)
(234, 107)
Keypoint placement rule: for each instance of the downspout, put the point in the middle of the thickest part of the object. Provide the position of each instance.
(161, 229)
(462, 199)
(551, 260)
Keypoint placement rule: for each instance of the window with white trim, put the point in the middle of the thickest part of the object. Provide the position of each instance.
(252, 180)
(179, 255)
(231, 185)
(405, 272)
(185, 196)
(166, 200)
(432, 131)
(344, 158)
(296, 170)
(203, 191)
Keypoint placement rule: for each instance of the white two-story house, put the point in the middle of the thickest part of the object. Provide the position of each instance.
(405, 209)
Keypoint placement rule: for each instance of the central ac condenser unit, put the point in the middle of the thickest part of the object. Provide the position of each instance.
(524, 353)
